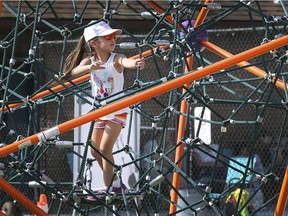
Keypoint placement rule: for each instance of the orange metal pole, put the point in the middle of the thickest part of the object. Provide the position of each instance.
(154, 5)
(142, 96)
(180, 148)
(1, 7)
(253, 69)
(201, 17)
(47, 92)
(203, 14)
(282, 200)
(13, 192)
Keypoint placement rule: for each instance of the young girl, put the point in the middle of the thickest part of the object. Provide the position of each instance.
(106, 69)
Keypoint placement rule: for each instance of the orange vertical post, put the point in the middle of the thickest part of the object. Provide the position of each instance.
(203, 14)
(179, 150)
(182, 120)
(1, 7)
(282, 200)
(17, 195)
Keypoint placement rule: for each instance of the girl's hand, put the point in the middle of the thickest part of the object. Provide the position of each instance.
(140, 63)
(96, 66)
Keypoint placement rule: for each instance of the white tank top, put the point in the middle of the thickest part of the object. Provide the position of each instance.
(106, 82)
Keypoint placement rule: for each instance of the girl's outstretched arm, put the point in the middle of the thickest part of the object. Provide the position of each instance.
(85, 67)
(131, 63)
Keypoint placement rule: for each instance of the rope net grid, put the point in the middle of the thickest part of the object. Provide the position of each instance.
(240, 98)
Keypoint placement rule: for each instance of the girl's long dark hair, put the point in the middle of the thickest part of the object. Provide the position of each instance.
(74, 59)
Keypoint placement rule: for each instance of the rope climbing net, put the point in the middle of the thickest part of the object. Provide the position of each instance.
(212, 100)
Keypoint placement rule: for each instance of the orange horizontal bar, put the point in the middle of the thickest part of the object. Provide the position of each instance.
(17, 195)
(253, 69)
(142, 96)
(47, 92)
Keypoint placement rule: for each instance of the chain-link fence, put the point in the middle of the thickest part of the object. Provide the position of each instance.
(56, 162)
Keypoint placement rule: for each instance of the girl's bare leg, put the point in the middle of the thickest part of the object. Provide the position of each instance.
(109, 137)
(96, 140)
(104, 140)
